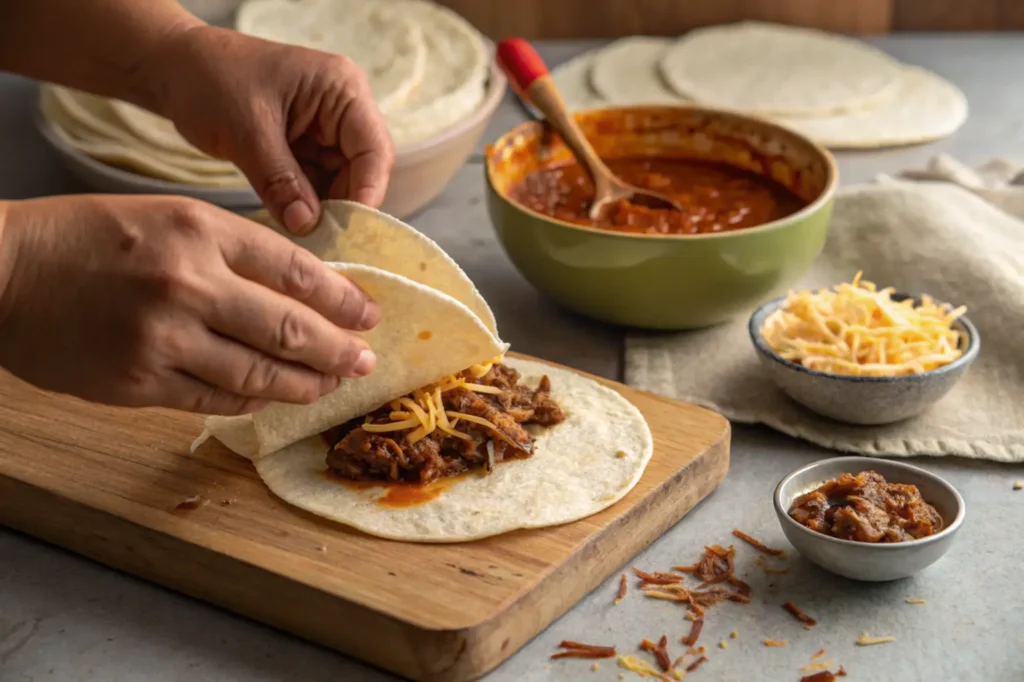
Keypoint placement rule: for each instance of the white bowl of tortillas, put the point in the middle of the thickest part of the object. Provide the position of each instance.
(430, 71)
(838, 91)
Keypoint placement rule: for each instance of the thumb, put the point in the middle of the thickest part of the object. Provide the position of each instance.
(270, 166)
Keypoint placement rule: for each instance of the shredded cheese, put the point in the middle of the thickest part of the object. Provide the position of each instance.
(867, 640)
(422, 412)
(915, 600)
(641, 668)
(856, 329)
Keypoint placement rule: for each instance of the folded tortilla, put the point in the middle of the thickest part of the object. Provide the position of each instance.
(435, 324)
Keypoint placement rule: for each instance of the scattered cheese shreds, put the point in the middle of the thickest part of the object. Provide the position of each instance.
(856, 329)
(641, 668)
(777, 643)
(819, 653)
(734, 634)
(815, 667)
(595, 667)
(723, 644)
(915, 600)
(1018, 485)
(867, 640)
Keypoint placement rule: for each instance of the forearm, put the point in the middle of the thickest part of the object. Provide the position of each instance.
(102, 46)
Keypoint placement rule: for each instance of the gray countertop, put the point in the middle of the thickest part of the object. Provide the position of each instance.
(65, 618)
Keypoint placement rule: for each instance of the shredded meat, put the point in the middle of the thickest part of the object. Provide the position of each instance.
(578, 650)
(865, 507)
(361, 455)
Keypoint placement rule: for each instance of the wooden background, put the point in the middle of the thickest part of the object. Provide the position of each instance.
(535, 19)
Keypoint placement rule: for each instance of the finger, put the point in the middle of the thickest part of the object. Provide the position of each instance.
(285, 329)
(267, 161)
(366, 143)
(243, 371)
(268, 258)
(193, 395)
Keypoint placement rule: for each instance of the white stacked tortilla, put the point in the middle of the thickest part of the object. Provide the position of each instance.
(836, 90)
(123, 135)
(427, 67)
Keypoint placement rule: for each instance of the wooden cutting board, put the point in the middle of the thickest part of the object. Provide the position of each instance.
(106, 483)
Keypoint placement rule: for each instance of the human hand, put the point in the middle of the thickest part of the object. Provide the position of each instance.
(167, 301)
(301, 124)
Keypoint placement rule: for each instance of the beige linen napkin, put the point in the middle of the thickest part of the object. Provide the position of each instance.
(954, 232)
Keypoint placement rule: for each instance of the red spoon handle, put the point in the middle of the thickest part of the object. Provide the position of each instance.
(521, 63)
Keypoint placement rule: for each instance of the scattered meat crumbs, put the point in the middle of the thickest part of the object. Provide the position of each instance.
(867, 640)
(658, 578)
(642, 668)
(623, 587)
(915, 600)
(799, 615)
(696, 664)
(777, 643)
(577, 650)
(691, 639)
(758, 545)
(824, 676)
(660, 651)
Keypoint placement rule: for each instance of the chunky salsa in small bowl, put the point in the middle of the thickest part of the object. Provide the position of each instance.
(757, 199)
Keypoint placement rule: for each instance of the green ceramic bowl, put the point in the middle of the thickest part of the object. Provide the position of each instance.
(664, 281)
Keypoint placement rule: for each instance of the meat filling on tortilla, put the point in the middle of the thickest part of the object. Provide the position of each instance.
(470, 421)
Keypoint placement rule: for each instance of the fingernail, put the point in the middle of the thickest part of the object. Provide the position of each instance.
(365, 364)
(371, 315)
(298, 216)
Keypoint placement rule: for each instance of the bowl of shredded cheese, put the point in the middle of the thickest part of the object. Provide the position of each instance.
(863, 355)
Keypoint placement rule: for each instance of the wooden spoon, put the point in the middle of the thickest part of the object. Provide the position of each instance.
(530, 79)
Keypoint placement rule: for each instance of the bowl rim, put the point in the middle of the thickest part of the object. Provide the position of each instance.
(966, 358)
(826, 195)
(949, 530)
(497, 84)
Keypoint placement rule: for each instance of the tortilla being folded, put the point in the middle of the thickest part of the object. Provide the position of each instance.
(484, 444)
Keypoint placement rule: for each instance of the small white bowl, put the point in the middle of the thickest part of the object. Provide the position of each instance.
(873, 562)
(862, 400)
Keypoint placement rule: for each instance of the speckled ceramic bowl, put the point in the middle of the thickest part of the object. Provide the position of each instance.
(664, 281)
(861, 560)
(860, 399)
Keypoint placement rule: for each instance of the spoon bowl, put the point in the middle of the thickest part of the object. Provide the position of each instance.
(532, 82)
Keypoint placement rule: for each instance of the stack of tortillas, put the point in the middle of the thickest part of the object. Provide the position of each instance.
(427, 66)
(123, 135)
(836, 90)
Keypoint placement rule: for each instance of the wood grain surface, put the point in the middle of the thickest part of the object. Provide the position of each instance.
(106, 483)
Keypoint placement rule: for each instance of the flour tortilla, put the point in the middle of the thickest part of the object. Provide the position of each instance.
(156, 130)
(92, 121)
(575, 472)
(455, 339)
(572, 79)
(627, 72)
(353, 233)
(386, 43)
(454, 87)
(926, 107)
(773, 69)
